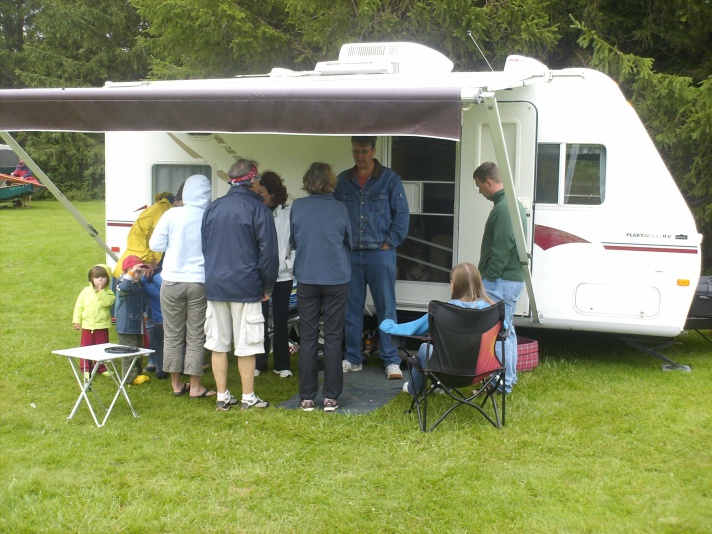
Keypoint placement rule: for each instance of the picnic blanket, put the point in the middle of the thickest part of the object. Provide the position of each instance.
(364, 391)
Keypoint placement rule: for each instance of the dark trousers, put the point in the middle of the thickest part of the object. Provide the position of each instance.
(280, 316)
(157, 343)
(329, 304)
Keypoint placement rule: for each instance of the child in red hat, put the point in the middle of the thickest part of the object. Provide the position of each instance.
(130, 308)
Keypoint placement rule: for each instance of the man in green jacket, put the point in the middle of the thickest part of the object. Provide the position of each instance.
(502, 275)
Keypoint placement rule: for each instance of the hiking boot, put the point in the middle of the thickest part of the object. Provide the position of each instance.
(224, 406)
(284, 373)
(330, 405)
(254, 403)
(350, 367)
(307, 405)
(393, 372)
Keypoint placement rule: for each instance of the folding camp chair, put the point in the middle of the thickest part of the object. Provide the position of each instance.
(461, 354)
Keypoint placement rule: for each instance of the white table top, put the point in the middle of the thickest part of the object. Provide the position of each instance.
(97, 353)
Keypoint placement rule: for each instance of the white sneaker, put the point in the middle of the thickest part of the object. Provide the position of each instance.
(254, 402)
(257, 372)
(393, 372)
(284, 373)
(405, 388)
(348, 366)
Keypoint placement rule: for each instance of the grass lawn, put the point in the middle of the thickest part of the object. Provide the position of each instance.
(598, 437)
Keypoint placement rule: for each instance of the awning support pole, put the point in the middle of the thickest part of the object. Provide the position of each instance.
(500, 149)
(17, 149)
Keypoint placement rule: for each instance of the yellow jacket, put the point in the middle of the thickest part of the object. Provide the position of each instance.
(140, 233)
(93, 308)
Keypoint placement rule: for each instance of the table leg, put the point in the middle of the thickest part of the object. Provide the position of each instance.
(121, 387)
(84, 385)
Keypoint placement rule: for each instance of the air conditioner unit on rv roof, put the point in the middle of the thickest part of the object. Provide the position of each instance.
(391, 58)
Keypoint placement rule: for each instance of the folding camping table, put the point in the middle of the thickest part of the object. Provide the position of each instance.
(99, 355)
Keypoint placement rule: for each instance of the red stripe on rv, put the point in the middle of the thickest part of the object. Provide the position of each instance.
(651, 249)
(546, 237)
(120, 224)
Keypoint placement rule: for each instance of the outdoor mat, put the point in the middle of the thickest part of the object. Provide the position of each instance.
(364, 391)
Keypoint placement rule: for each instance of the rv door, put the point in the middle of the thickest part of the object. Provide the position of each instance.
(505, 133)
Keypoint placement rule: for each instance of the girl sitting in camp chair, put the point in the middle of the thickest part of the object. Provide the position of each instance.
(466, 291)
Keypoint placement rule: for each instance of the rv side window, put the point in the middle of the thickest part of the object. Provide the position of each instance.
(547, 174)
(585, 174)
(579, 179)
(168, 177)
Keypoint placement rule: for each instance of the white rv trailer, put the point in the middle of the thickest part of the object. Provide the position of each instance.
(610, 247)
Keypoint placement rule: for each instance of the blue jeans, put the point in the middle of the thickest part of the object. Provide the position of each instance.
(509, 292)
(418, 378)
(377, 270)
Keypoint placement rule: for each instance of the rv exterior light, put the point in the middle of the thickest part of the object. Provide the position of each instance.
(682, 282)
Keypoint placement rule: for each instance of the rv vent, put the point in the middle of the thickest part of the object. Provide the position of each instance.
(392, 58)
(525, 67)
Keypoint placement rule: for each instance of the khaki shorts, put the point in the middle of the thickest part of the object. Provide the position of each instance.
(241, 321)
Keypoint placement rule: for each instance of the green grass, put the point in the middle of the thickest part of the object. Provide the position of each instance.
(598, 439)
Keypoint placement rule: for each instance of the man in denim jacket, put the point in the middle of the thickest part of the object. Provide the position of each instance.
(378, 211)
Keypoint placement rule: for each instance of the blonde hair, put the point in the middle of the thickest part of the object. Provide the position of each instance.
(466, 284)
(319, 179)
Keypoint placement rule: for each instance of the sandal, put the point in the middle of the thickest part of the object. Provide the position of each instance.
(207, 392)
(185, 389)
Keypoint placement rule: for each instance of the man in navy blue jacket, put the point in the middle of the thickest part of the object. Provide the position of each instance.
(241, 265)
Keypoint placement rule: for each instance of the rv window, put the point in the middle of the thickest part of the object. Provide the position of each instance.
(547, 174)
(427, 167)
(580, 179)
(585, 182)
(168, 177)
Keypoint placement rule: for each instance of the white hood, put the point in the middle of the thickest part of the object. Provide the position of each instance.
(197, 191)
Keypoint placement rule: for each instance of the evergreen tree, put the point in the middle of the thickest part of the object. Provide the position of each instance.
(77, 43)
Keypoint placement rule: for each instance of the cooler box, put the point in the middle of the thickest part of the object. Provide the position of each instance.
(527, 353)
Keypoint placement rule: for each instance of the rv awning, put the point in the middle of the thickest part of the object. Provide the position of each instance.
(337, 110)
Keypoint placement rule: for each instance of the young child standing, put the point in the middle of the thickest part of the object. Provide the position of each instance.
(92, 313)
(466, 291)
(129, 312)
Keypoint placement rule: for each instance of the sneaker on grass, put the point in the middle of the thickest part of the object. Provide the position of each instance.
(225, 405)
(254, 402)
(350, 367)
(393, 372)
(307, 405)
(284, 373)
(330, 405)
(257, 372)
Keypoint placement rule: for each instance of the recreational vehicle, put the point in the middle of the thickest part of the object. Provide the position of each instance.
(610, 244)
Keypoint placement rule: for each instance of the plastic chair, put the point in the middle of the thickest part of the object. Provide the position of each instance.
(461, 354)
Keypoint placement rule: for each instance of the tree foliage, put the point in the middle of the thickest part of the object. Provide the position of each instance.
(213, 38)
(73, 43)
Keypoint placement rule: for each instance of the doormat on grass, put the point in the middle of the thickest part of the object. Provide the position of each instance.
(364, 391)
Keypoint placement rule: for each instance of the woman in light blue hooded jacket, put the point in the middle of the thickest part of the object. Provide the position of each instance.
(183, 302)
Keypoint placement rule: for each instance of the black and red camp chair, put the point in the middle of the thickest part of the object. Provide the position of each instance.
(461, 356)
